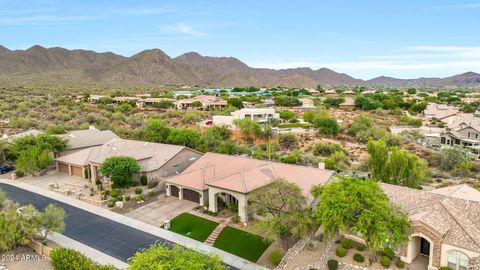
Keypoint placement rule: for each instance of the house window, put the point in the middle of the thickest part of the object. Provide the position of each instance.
(457, 260)
(469, 135)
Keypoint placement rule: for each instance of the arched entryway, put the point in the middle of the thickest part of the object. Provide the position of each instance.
(420, 251)
(220, 198)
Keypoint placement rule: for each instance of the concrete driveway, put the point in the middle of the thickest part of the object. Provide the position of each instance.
(165, 208)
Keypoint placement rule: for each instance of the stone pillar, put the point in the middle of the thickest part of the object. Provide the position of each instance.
(167, 190)
(212, 202)
(201, 199)
(180, 193)
(69, 169)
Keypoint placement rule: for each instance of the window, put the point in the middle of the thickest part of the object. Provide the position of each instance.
(457, 260)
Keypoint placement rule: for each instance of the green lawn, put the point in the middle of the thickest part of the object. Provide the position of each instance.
(192, 226)
(241, 243)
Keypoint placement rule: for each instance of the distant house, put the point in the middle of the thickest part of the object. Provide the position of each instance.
(330, 93)
(149, 101)
(312, 91)
(349, 93)
(445, 225)
(81, 139)
(215, 177)
(207, 102)
(307, 103)
(156, 160)
(94, 98)
(261, 115)
(348, 104)
(439, 111)
(125, 99)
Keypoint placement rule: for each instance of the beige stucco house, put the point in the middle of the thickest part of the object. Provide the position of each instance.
(233, 178)
(85, 138)
(156, 160)
(445, 225)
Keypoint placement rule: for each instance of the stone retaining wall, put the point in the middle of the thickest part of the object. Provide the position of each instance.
(40, 248)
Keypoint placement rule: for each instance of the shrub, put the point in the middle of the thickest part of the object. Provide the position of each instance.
(110, 204)
(236, 218)
(361, 247)
(341, 252)
(399, 264)
(389, 253)
(114, 193)
(20, 173)
(275, 257)
(312, 245)
(66, 259)
(347, 244)
(385, 261)
(127, 197)
(444, 268)
(151, 194)
(138, 191)
(152, 184)
(143, 180)
(332, 264)
(139, 197)
(358, 258)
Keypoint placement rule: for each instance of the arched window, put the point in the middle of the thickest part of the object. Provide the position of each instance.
(457, 260)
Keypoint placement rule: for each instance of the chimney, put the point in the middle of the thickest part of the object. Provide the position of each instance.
(321, 165)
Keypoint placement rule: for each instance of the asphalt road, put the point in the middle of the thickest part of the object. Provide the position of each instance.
(110, 237)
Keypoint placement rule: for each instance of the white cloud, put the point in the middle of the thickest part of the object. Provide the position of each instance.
(185, 29)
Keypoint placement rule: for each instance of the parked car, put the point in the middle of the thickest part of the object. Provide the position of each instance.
(4, 168)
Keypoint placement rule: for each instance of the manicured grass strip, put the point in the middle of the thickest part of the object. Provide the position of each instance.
(192, 226)
(241, 243)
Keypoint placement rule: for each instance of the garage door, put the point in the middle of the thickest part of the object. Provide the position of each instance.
(78, 171)
(191, 195)
(174, 191)
(63, 168)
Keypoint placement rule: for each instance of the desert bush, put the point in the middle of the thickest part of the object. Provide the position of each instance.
(332, 264)
(358, 258)
(389, 253)
(360, 247)
(399, 264)
(347, 244)
(341, 252)
(152, 184)
(385, 261)
(275, 257)
(138, 190)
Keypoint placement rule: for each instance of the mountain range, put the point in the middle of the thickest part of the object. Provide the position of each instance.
(154, 67)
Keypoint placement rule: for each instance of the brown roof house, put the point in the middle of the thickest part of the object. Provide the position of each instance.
(156, 160)
(215, 177)
(445, 225)
(348, 104)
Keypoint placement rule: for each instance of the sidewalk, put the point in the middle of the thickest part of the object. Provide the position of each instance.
(92, 253)
(227, 258)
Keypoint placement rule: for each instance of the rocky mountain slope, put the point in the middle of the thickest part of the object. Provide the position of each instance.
(154, 67)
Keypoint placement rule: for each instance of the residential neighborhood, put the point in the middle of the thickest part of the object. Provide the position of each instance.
(239, 135)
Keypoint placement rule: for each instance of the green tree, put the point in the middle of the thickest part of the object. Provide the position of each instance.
(156, 131)
(197, 104)
(33, 159)
(352, 205)
(286, 101)
(235, 102)
(164, 104)
(18, 225)
(53, 129)
(287, 115)
(250, 129)
(361, 123)
(450, 157)
(43, 142)
(159, 256)
(120, 170)
(51, 219)
(184, 136)
(212, 138)
(331, 102)
(336, 161)
(70, 259)
(395, 166)
(323, 121)
(287, 214)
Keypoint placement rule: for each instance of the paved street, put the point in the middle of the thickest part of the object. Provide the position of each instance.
(115, 239)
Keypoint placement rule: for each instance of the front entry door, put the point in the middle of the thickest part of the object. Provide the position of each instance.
(424, 247)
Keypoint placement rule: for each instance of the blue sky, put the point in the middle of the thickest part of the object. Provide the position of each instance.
(365, 39)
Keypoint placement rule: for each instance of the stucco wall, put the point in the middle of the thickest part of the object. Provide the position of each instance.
(176, 165)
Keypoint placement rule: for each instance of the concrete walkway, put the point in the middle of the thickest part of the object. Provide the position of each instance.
(227, 258)
(92, 253)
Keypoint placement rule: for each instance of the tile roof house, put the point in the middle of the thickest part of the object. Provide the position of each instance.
(348, 104)
(156, 160)
(81, 139)
(439, 111)
(233, 178)
(444, 227)
(206, 101)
